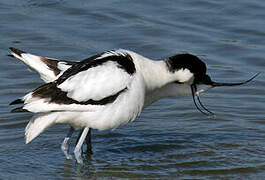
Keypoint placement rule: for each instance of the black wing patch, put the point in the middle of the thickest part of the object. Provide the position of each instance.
(124, 62)
(53, 94)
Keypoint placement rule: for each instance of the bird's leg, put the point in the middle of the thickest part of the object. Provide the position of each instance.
(78, 147)
(65, 144)
(79, 135)
(88, 141)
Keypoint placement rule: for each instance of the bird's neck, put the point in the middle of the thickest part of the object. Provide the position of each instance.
(158, 80)
(155, 73)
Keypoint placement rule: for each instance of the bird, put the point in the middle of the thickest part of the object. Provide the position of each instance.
(107, 90)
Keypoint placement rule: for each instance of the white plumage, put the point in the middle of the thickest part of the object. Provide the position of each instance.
(99, 85)
(106, 90)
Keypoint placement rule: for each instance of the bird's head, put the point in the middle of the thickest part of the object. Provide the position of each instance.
(190, 70)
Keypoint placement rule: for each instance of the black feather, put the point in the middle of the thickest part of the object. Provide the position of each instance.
(17, 101)
(124, 62)
(16, 51)
(56, 95)
(18, 110)
(11, 55)
(186, 61)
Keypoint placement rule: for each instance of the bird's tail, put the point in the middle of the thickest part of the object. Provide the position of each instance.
(39, 123)
(48, 68)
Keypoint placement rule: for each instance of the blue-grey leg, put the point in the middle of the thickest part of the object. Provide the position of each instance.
(66, 142)
(88, 141)
(78, 147)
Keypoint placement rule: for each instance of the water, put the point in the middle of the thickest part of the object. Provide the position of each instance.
(170, 139)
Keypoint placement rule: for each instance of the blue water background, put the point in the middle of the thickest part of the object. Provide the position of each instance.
(170, 139)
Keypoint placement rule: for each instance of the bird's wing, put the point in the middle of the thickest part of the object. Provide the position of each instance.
(49, 69)
(85, 86)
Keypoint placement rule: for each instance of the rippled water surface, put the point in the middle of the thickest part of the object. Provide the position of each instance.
(170, 139)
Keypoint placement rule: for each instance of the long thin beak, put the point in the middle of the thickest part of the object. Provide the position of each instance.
(195, 94)
(218, 84)
(212, 84)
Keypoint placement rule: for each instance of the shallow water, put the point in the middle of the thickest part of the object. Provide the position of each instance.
(170, 139)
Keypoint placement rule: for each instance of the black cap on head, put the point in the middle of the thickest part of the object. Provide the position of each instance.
(186, 61)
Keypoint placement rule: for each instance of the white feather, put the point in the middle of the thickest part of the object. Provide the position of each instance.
(63, 66)
(96, 83)
(38, 123)
(37, 64)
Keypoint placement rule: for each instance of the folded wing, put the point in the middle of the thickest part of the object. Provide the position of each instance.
(86, 86)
